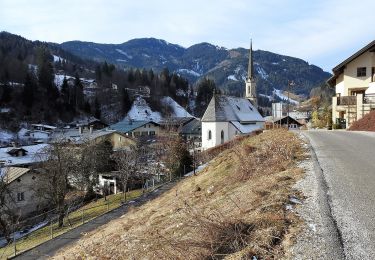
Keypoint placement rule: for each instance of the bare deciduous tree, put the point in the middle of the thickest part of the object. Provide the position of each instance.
(127, 164)
(7, 215)
(58, 164)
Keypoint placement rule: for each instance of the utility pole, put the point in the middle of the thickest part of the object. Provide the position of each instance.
(290, 85)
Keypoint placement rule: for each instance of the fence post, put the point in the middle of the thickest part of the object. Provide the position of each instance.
(51, 226)
(82, 216)
(107, 206)
(14, 240)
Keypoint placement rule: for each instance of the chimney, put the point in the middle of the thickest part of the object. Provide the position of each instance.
(91, 129)
(80, 130)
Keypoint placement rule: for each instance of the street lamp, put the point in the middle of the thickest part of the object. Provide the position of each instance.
(290, 85)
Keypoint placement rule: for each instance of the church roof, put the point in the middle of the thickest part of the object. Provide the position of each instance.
(225, 109)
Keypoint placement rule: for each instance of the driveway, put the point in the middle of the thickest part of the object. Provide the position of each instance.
(347, 160)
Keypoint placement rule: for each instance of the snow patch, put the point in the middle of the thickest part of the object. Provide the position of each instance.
(179, 111)
(191, 72)
(262, 72)
(281, 95)
(232, 77)
(141, 111)
(124, 53)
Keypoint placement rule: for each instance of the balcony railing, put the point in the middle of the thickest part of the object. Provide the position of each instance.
(346, 100)
(369, 99)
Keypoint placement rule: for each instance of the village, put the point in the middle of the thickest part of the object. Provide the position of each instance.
(187, 130)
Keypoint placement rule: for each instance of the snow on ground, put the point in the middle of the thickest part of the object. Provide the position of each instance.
(262, 72)
(269, 97)
(179, 111)
(6, 136)
(232, 77)
(141, 111)
(198, 169)
(180, 93)
(59, 79)
(124, 53)
(23, 233)
(145, 55)
(281, 95)
(57, 58)
(191, 72)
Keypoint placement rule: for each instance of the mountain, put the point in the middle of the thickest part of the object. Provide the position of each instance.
(42, 83)
(228, 67)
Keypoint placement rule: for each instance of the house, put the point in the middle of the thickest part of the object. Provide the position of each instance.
(137, 128)
(192, 132)
(22, 197)
(86, 123)
(117, 139)
(24, 156)
(354, 82)
(282, 122)
(175, 123)
(226, 117)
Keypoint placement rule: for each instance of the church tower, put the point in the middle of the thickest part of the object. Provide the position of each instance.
(250, 92)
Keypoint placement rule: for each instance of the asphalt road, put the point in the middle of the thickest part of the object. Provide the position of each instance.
(49, 248)
(347, 160)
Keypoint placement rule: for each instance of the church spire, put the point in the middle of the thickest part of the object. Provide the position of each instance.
(250, 69)
(250, 84)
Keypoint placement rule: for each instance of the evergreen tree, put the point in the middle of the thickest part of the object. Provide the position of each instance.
(78, 89)
(206, 89)
(97, 110)
(28, 91)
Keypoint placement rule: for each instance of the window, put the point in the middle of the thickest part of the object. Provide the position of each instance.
(20, 196)
(372, 74)
(222, 136)
(152, 132)
(361, 72)
(209, 135)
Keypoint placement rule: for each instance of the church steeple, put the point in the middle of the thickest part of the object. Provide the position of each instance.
(250, 91)
(250, 69)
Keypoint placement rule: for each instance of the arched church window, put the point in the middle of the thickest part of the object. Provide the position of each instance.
(222, 136)
(209, 135)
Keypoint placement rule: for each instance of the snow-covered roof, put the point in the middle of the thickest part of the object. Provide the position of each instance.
(29, 158)
(225, 109)
(126, 126)
(44, 126)
(246, 128)
(73, 135)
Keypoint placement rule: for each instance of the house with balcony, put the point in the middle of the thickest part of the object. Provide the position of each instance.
(354, 82)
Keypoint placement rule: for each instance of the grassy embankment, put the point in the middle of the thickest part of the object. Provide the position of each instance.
(74, 219)
(234, 209)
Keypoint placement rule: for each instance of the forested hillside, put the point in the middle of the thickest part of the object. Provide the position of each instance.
(40, 82)
(227, 67)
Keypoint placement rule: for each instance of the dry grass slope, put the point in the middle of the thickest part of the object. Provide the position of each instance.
(234, 209)
(366, 123)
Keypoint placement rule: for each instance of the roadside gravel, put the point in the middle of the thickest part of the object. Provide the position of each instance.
(320, 238)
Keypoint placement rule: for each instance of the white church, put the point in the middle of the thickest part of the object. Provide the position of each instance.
(226, 116)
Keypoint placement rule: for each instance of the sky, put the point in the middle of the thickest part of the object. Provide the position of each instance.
(322, 32)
